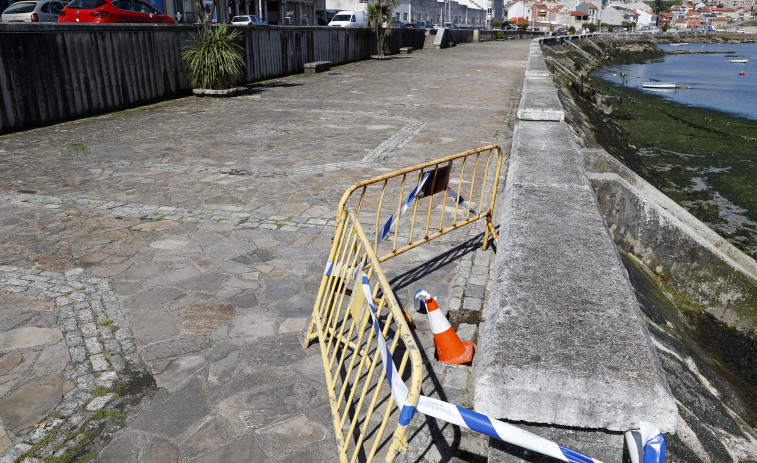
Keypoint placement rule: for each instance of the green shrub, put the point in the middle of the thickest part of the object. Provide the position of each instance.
(214, 59)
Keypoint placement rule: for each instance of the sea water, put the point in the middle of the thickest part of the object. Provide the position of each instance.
(706, 80)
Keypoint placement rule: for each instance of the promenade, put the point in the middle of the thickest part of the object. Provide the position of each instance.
(184, 242)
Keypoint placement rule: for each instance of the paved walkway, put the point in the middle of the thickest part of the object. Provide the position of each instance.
(185, 241)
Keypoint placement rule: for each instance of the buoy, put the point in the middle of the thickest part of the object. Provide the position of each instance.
(741, 73)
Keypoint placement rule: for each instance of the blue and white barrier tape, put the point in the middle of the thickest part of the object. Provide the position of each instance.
(647, 445)
(394, 219)
(458, 415)
(411, 197)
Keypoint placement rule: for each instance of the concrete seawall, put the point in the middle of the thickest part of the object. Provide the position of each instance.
(566, 351)
(564, 343)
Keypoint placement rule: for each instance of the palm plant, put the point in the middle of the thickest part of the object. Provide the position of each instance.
(379, 14)
(213, 58)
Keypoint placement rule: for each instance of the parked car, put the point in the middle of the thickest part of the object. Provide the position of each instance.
(116, 11)
(348, 19)
(248, 20)
(32, 11)
(740, 31)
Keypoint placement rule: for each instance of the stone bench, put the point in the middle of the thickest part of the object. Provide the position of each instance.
(406, 50)
(317, 66)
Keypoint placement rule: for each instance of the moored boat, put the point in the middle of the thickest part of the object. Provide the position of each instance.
(659, 84)
(739, 60)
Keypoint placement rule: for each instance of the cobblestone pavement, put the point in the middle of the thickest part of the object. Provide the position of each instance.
(158, 266)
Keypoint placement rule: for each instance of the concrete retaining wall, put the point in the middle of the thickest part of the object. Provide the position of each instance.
(674, 243)
(54, 72)
(564, 345)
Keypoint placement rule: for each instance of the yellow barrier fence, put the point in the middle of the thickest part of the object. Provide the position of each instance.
(361, 402)
(412, 206)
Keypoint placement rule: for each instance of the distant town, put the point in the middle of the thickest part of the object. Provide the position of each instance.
(556, 15)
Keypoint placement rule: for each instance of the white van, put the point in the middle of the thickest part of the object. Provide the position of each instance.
(348, 19)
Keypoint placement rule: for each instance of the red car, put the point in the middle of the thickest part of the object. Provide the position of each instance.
(115, 11)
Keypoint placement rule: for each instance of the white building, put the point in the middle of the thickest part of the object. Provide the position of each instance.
(590, 9)
(471, 13)
(517, 9)
(645, 18)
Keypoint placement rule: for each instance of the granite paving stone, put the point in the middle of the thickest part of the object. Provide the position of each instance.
(176, 259)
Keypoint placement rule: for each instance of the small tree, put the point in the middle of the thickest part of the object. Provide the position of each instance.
(571, 30)
(496, 23)
(379, 16)
(522, 25)
(592, 27)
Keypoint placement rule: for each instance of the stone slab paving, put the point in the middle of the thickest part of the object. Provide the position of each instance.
(158, 266)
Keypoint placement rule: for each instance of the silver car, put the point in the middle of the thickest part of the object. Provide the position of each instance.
(33, 11)
(248, 20)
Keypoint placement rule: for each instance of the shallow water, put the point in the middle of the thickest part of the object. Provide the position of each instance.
(706, 80)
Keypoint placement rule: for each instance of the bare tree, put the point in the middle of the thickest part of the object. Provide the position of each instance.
(205, 15)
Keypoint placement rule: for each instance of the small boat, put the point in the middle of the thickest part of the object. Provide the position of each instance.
(660, 85)
(742, 61)
(678, 44)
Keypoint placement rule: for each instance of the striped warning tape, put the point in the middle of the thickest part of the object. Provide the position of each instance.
(468, 418)
(410, 198)
(393, 220)
(647, 445)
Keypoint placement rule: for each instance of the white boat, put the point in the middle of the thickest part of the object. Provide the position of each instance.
(739, 60)
(678, 44)
(660, 84)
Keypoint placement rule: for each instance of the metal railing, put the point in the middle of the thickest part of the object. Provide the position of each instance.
(464, 185)
(360, 397)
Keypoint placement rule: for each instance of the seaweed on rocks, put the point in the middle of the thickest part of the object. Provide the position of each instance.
(584, 105)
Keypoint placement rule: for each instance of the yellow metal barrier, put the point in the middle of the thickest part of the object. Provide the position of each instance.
(467, 183)
(361, 402)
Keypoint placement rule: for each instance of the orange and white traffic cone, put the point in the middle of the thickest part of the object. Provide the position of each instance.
(449, 348)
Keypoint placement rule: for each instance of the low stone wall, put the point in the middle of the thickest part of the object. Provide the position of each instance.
(55, 72)
(564, 345)
(445, 38)
(563, 309)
